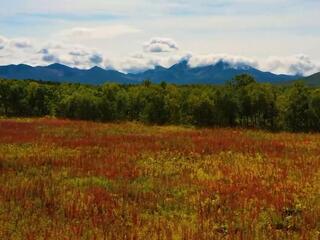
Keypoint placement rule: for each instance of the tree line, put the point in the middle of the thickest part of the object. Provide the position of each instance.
(242, 102)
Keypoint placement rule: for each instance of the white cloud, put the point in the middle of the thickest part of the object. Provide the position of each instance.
(205, 60)
(72, 55)
(3, 42)
(294, 65)
(297, 65)
(97, 32)
(21, 43)
(142, 62)
(134, 65)
(16, 51)
(159, 45)
(10, 44)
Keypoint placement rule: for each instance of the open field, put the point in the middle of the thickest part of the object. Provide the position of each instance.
(62, 179)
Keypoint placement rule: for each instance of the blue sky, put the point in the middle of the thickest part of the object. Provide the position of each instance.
(133, 35)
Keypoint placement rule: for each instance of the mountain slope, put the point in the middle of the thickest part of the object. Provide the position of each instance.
(313, 80)
(180, 73)
(61, 73)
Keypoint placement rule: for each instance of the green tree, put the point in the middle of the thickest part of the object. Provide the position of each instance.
(225, 107)
(201, 108)
(263, 107)
(38, 99)
(4, 96)
(240, 87)
(155, 110)
(114, 104)
(297, 112)
(17, 99)
(82, 104)
(241, 81)
(315, 109)
(172, 104)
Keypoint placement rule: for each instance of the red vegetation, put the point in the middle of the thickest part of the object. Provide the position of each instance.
(65, 179)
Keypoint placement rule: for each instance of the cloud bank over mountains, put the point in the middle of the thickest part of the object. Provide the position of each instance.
(71, 55)
(134, 35)
(157, 51)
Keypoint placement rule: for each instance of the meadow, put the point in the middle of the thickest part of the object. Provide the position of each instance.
(63, 179)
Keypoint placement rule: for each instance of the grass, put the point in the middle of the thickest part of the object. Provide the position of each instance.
(62, 179)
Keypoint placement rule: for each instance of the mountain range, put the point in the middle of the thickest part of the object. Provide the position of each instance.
(180, 73)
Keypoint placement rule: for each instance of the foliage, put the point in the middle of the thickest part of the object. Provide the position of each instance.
(242, 102)
(63, 179)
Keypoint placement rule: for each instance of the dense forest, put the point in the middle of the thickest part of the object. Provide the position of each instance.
(242, 102)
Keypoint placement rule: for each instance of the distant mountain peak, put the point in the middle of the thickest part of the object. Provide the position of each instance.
(225, 65)
(57, 66)
(22, 66)
(222, 64)
(96, 68)
(184, 64)
(229, 65)
(159, 67)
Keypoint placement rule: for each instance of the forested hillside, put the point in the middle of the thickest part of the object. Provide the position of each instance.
(242, 102)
